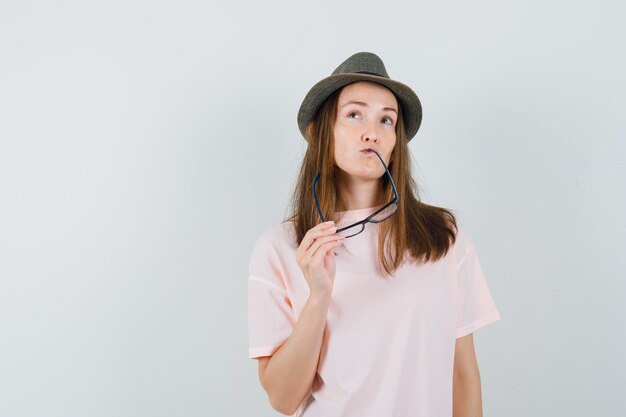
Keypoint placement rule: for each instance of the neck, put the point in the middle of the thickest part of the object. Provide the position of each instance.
(356, 193)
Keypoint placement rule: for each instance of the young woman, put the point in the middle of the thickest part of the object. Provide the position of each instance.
(363, 302)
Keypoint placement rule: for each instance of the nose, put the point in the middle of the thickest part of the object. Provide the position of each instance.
(370, 134)
(369, 139)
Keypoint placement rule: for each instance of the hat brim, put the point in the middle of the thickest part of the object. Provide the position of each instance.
(409, 102)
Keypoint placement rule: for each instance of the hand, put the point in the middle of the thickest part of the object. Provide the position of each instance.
(316, 258)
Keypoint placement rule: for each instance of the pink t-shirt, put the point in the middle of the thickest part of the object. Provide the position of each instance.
(388, 348)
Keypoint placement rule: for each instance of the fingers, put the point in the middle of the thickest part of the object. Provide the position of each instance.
(326, 248)
(323, 245)
(321, 229)
(320, 236)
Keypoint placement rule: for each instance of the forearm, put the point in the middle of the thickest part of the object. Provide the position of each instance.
(467, 396)
(290, 372)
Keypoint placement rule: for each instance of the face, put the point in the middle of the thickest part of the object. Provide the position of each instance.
(367, 114)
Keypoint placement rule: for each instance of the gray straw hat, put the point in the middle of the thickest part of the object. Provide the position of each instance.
(362, 66)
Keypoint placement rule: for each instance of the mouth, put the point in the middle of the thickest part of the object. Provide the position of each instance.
(368, 153)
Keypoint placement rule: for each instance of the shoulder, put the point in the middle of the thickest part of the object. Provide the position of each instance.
(463, 244)
(276, 237)
(272, 251)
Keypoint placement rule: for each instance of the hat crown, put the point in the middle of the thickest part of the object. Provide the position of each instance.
(362, 63)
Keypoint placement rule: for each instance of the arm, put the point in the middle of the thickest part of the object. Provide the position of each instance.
(288, 374)
(467, 401)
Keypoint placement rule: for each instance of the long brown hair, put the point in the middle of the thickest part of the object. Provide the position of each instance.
(423, 231)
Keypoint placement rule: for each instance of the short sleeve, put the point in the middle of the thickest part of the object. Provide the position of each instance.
(476, 307)
(270, 313)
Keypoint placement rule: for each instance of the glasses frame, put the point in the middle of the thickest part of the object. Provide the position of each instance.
(368, 219)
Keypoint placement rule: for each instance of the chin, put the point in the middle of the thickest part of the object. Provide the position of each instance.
(364, 176)
(361, 173)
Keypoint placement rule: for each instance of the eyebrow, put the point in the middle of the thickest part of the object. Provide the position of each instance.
(360, 103)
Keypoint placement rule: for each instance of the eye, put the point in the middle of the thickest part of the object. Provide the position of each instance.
(353, 113)
(388, 120)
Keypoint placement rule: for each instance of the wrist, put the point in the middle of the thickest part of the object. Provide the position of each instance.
(319, 297)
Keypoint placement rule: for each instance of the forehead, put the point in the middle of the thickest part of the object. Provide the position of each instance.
(368, 92)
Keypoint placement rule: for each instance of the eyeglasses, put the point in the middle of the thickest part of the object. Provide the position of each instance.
(378, 216)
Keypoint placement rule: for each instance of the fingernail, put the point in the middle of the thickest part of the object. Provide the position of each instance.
(330, 223)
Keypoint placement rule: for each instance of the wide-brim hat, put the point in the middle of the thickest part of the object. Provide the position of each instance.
(362, 66)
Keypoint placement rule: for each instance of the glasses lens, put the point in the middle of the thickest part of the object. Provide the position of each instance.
(351, 231)
(385, 214)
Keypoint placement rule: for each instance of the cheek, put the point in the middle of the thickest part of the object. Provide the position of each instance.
(392, 141)
(341, 150)
(388, 150)
(347, 128)
(342, 141)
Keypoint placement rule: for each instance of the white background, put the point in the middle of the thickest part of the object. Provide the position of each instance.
(145, 145)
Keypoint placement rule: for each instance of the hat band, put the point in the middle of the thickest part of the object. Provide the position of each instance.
(369, 73)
